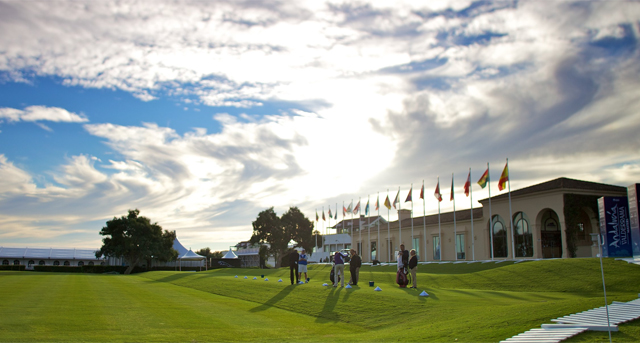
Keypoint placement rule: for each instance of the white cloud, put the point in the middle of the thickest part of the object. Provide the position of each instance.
(41, 113)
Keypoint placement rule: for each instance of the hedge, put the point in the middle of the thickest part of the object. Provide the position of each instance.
(12, 267)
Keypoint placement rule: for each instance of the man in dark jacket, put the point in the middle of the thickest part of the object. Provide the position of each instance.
(354, 267)
(293, 265)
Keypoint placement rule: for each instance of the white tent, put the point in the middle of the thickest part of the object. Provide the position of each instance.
(190, 256)
(230, 255)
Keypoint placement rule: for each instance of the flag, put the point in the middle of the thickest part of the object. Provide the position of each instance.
(336, 215)
(422, 191)
(409, 198)
(387, 203)
(378, 203)
(502, 183)
(357, 208)
(437, 192)
(366, 208)
(451, 198)
(484, 179)
(467, 185)
(397, 200)
(344, 211)
(317, 218)
(330, 215)
(349, 207)
(323, 216)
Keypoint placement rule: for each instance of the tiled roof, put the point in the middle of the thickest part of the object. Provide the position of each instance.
(563, 183)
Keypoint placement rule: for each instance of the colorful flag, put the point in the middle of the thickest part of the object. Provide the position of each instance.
(344, 211)
(387, 203)
(336, 215)
(378, 202)
(397, 201)
(317, 218)
(437, 192)
(504, 177)
(467, 185)
(323, 216)
(422, 191)
(330, 215)
(452, 197)
(366, 208)
(357, 208)
(409, 198)
(349, 208)
(484, 179)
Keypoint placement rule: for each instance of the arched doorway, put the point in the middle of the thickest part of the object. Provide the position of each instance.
(522, 235)
(499, 233)
(550, 235)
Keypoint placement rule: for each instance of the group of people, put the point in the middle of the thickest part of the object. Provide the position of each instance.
(354, 268)
(407, 262)
(297, 266)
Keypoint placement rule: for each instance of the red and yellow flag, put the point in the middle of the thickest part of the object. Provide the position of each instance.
(484, 179)
(504, 177)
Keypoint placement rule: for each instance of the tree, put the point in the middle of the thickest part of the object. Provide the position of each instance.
(267, 229)
(299, 228)
(135, 239)
(206, 252)
(279, 232)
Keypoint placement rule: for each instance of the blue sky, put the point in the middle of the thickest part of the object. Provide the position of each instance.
(203, 114)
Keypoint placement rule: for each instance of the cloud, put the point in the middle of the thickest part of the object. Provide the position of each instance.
(41, 113)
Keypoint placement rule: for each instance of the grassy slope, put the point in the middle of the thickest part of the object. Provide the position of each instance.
(476, 302)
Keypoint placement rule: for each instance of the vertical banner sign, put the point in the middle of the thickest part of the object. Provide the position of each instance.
(634, 218)
(614, 226)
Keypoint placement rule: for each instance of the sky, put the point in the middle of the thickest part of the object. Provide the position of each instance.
(202, 114)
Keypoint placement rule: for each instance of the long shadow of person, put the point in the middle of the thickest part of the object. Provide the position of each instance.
(269, 303)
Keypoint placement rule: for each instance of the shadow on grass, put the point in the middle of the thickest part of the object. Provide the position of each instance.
(327, 315)
(173, 277)
(271, 302)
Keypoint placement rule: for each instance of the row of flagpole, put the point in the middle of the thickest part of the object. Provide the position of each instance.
(482, 182)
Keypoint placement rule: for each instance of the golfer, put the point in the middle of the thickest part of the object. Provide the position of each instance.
(302, 267)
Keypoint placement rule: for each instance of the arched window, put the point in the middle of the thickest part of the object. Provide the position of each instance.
(523, 237)
(80, 264)
(56, 263)
(500, 246)
(91, 263)
(41, 263)
(16, 262)
(5, 262)
(551, 235)
(31, 263)
(66, 263)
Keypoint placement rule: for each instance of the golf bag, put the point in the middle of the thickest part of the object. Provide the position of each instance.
(332, 276)
(402, 278)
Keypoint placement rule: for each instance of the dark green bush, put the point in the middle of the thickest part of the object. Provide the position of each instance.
(12, 267)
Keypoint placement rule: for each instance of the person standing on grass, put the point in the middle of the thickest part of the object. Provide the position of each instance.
(413, 267)
(293, 265)
(338, 260)
(302, 266)
(354, 267)
(401, 258)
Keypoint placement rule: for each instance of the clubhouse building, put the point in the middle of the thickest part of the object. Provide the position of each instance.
(553, 219)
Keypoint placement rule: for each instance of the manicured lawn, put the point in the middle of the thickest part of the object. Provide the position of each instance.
(468, 303)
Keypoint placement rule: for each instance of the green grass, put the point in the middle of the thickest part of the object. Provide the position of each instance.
(468, 303)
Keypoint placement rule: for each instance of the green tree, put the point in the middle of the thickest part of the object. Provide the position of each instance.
(279, 232)
(136, 239)
(206, 252)
(299, 228)
(268, 229)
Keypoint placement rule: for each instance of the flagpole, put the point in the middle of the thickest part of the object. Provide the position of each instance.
(378, 243)
(343, 214)
(399, 219)
(513, 243)
(439, 228)
(368, 227)
(411, 192)
(455, 230)
(473, 251)
(388, 232)
(351, 223)
(490, 215)
(360, 228)
(424, 221)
